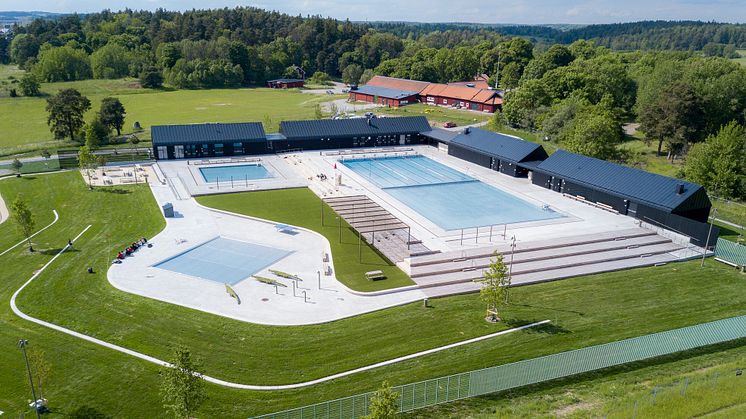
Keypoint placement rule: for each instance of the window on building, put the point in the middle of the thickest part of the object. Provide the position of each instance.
(237, 148)
(218, 149)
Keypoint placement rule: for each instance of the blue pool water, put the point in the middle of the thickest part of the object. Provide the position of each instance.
(238, 172)
(224, 260)
(450, 199)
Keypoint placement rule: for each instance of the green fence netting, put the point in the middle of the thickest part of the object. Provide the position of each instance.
(731, 252)
(531, 371)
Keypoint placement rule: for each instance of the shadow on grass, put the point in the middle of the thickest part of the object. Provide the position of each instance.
(579, 313)
(52, 252)
(546, 328)
(118, 191)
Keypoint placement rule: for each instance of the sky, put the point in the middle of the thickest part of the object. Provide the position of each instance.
(483, 11)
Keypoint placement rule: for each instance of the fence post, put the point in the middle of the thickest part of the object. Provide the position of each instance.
(634, 411)
(655, 392)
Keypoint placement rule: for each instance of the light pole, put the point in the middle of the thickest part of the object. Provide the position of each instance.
(22, 344)
(709, 232)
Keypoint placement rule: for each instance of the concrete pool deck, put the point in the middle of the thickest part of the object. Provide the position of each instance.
(260, 304)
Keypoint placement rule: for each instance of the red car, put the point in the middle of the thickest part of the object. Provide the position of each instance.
(449, 125)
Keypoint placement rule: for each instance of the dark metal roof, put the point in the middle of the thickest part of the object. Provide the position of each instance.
(385, 92)
(634, 184)
(285, 81)
(440, 134)
(497, 145)
(328, 128)
(207, 133)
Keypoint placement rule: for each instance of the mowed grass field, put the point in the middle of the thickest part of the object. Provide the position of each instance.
(584, 311)
(301, 207)
(23, 120)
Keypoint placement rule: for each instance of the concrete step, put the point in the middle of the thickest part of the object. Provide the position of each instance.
(557, 274)
(539, 254)
(532, 246)
(548, 265)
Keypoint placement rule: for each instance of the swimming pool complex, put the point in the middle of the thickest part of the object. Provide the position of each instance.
(450, 199)
(223, 260)
(236, 173)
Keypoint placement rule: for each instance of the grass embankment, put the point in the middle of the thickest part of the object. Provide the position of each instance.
(302, 208)
(701, 384)
(23, 120)
(584, 311)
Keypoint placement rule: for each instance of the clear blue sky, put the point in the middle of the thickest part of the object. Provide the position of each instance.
(487, 11)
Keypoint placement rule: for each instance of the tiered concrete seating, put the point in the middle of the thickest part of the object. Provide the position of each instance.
(455, 272)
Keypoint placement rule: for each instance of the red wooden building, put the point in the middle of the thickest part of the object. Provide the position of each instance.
(285, 83)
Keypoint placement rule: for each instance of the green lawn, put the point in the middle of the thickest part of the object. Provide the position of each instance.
(301, 207)
(23, 120)
(701, 383)
(584, 311)
(36, 166)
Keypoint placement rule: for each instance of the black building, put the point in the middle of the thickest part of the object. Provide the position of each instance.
(672, 203)
(349, 133)
(498, 152)
(208, 140)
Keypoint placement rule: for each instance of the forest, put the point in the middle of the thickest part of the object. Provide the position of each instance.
(576, 86)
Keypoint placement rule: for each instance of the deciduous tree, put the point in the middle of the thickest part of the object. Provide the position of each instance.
(494, 282)
(384, 404)
(30, 85)
(112, 114)
(24, 218)
(182, 388)
(66, 110)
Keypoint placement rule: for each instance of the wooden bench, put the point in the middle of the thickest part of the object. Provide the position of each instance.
(374, 275)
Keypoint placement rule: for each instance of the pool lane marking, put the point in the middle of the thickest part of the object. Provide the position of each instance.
(56, 217)
(230, 384)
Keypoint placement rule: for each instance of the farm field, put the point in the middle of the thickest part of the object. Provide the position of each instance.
(584, 311)
(151, 107)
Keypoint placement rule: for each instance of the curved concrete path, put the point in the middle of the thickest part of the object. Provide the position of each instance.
(230, 384)
(56, 217)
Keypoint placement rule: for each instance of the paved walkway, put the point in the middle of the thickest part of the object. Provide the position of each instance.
(231, 384)
(326, 299)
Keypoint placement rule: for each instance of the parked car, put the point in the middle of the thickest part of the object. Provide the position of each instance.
(449, 125)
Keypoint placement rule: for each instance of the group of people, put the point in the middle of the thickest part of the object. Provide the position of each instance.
(321, 177)
(132, 249)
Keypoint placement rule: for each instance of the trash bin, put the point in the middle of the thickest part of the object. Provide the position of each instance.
(168, 210)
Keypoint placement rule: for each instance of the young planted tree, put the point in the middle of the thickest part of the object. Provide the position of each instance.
(494, 286)
(87, 161)
(112, 114)
(41, 368)
(317, 112)
(182, 388)
(66, 110)
(24, 219)
(384, 404)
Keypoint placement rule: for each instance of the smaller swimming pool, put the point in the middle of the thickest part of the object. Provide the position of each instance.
(237, 172)
(223, 260)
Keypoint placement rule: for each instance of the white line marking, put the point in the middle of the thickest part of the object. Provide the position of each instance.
(56, 217)
(224, 383)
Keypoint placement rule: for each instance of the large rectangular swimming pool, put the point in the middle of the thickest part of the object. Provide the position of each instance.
(237, 172)
(450, 199)
(224, 260)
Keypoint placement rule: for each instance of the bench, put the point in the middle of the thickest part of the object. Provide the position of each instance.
(374, 275)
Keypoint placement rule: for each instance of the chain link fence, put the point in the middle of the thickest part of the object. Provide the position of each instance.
(517, 374)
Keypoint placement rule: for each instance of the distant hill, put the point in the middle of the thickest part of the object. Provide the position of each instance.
(11, 17)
